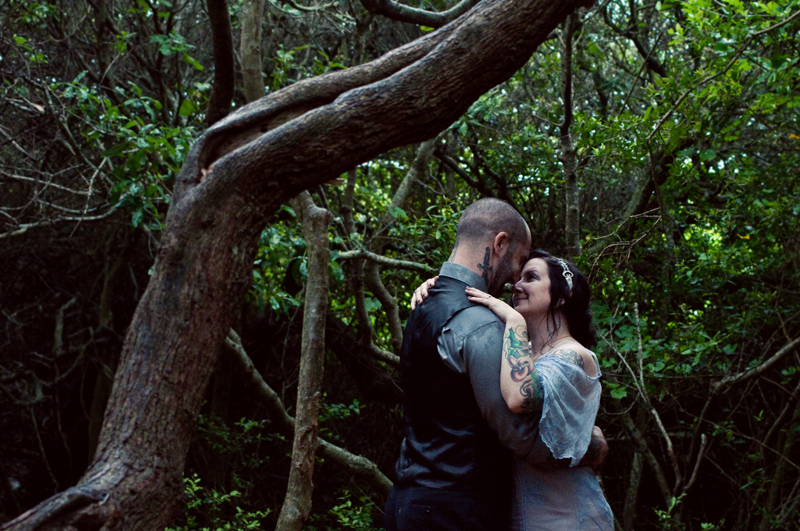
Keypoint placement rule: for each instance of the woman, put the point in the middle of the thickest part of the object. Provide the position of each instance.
(548, 368)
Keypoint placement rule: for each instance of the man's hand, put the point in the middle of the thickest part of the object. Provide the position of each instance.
(596, 454)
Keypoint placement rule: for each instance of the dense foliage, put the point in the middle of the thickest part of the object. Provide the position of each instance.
(687, 132)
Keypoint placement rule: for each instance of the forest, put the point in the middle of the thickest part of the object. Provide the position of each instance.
(213, 215)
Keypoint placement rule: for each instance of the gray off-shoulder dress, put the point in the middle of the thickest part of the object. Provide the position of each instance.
(570, 499)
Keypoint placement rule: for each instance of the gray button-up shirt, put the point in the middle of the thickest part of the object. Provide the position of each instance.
(471, 343)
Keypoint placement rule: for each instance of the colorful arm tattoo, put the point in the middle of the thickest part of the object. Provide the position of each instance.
(518, 355)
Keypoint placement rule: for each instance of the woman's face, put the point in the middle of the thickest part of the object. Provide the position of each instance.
(531, 295)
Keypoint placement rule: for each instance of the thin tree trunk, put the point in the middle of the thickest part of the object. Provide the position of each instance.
(776, 481)
(219, 102)
(647, 454)
(234, 179)
(629, 513)
(250, 49)
(297, 504)
(569, 156)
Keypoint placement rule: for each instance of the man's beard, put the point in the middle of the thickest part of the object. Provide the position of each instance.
(505, 273)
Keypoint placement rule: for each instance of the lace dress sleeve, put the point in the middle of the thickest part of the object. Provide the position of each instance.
(571, 401)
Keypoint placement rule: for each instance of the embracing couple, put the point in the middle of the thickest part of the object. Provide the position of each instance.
(500, 402)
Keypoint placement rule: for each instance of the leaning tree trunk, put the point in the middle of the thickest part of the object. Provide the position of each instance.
(233, 180)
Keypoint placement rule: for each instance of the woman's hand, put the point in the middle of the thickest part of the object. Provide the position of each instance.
(500, 308)
(421, 293)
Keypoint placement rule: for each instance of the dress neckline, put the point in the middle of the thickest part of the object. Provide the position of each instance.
(551, 349)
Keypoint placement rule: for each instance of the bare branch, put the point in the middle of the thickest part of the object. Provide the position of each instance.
(758, 369)
(46, 184)
(384, 355)
(308, 9)
(700, 455)
(384, 260)
(404, 13)
(23, 228)
(388, 303)
(357, 465)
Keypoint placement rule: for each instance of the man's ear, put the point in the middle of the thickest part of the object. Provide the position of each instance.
(500, 244)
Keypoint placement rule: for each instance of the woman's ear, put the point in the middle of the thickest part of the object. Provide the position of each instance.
(560, 303)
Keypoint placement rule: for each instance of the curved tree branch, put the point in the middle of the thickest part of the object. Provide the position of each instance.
(403, 13)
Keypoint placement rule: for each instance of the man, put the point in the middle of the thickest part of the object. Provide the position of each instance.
(453, 472)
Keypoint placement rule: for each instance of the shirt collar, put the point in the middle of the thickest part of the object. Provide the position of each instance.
(464, 274)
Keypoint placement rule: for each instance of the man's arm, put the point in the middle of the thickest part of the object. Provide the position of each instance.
(594, 457)
(597, 452)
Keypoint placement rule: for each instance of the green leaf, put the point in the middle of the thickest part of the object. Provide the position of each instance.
(192, 61)
(136, 218)
(188, 108)
(594, 49)
(619, 393)
(115, 151)
(707, 154)
(398, 213)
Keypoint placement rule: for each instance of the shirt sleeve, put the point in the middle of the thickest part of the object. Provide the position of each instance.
(481, 352)
(571, 401)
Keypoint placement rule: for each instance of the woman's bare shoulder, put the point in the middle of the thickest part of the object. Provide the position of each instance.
(576, 354)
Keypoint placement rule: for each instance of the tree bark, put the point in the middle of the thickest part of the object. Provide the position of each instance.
(219, 102)
(569, 156)
(629, 513)
(297, 504)
(250, 49)
(233, 180)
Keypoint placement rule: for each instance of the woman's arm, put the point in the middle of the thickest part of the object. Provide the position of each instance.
(421, 293)
(520, 384)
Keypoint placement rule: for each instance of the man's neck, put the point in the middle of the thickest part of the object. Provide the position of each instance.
(475, 260)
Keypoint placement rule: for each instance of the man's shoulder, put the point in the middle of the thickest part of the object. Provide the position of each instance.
(474, 319)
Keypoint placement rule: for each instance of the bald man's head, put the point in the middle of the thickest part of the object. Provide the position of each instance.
(493, 240)
(485, 218)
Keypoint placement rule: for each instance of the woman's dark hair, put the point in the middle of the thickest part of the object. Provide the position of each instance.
(576, 301)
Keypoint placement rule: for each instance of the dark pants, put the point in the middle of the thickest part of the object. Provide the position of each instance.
(426, 509)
